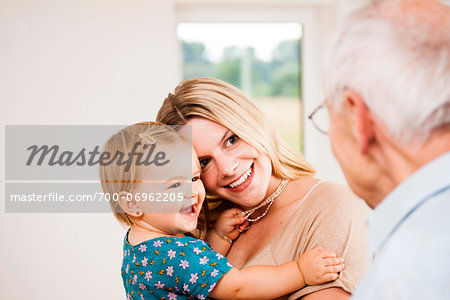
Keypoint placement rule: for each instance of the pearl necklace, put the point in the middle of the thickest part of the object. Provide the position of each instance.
(269, 200)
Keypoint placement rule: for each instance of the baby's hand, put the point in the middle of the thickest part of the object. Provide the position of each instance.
(319, 265)
(229, 220)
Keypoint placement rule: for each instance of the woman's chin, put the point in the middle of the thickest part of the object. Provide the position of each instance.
(247, 202)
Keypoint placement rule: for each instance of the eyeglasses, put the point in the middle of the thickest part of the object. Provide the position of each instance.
(320, 119)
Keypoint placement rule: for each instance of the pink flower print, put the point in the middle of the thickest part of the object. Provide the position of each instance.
(157, 243)
(142, 297)
(211, 287)
(196, 250)
(129, 296)
(194, 278)
(144, 262)
(148, 275)
(230, 265)
(201, 297)
(186, 288)
(219, 256)
(171, 253)
(184, 264)
(134, 280)
(143, 248)
(214, 273)
(142, 286)
(159, 285)
(128, 267)
(134, 258)
(204, 260)
(169, 271)
(179, 244)
(172, 296)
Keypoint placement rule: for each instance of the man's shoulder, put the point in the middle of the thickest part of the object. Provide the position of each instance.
(417, 252)
(412, 264)
(428, 220)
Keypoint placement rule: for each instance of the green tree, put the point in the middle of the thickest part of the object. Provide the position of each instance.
(195, 62)
(285, 68)
(229, 68)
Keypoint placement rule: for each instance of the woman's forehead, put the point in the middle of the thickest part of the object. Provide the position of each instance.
(200, 129)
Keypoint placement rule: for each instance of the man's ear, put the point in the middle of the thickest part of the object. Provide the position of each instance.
(129, 204)
(364, 123)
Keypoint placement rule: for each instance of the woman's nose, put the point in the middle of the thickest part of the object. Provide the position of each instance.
(227, 165)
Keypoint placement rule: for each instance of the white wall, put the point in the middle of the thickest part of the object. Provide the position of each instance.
(106, 62)
(76, 62)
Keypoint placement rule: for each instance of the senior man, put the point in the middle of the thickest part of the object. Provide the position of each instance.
(387, 88)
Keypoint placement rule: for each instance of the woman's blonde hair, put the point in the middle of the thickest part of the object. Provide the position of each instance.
(226, 105)
(116, 178)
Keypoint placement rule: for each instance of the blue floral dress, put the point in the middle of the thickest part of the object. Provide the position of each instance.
(171, 268)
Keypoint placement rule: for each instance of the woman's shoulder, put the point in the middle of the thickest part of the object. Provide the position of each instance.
(331, 203)
(336, 196)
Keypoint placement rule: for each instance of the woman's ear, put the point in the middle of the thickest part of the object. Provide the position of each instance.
(363, 118)
(129, 205)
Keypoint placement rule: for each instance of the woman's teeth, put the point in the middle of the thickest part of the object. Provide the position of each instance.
(242, 179)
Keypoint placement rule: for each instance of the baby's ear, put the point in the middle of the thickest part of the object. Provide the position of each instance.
(128, 204)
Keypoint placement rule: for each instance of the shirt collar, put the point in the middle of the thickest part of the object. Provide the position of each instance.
(405, 198)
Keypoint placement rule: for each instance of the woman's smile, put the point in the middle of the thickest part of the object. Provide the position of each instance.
(242, 182)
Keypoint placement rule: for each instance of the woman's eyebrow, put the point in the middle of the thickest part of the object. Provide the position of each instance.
(223, 137)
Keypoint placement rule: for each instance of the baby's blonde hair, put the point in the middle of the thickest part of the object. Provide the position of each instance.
(114, 177)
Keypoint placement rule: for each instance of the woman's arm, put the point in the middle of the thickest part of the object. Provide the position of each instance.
(337, 221)
(326, 294)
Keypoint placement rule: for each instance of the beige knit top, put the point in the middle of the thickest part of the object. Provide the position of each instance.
(329, 216)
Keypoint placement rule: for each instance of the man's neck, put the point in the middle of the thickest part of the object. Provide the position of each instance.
(400, 161)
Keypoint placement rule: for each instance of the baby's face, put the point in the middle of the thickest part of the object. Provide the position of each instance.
(180, 216)
(188, 213)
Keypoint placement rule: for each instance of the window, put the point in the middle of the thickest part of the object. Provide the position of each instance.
(262, 59)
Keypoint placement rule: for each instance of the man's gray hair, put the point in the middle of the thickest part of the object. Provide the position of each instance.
(396, 55)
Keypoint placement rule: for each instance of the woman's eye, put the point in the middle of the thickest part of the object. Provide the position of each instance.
(204, 162)
(231, 140)
(175, 185)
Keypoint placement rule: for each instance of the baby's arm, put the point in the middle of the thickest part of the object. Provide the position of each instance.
(267, 282)
(224, 232)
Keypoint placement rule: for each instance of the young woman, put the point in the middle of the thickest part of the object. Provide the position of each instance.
(159, 203)
(246, 164)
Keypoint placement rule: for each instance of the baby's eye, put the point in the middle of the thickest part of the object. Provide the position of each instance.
(231, 140)
(175, 185)
(204, 162)
(194, 179)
